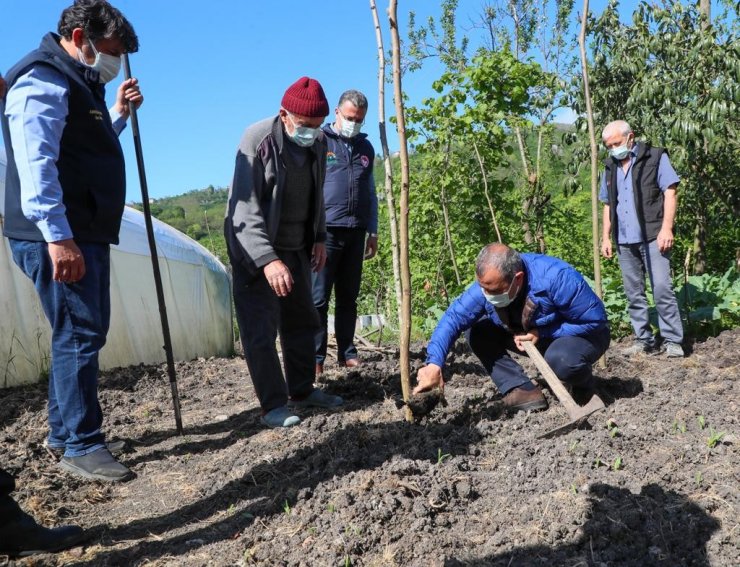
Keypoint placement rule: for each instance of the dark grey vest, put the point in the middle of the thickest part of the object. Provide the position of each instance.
(647, 193)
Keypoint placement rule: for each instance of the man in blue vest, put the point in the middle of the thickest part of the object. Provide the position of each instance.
(638, 190)
(522, 297)
(351, 225)
(64, 198)
(20, 535)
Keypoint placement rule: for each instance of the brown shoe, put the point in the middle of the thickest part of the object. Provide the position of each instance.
(520, 399)
(319, 369)
(350, 363)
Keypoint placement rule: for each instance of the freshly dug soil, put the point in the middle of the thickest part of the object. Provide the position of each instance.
(653, 481)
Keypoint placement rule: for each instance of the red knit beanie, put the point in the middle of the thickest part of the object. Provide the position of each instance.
(306, 98)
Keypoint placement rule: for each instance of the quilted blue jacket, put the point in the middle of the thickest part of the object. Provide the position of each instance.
(564, 305)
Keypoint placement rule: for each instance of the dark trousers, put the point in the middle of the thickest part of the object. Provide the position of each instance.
(345, 251)
(9, 510)
(261, 315)
(79, 315)
(570, 358)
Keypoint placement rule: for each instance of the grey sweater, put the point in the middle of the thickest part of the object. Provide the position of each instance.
(256, 196)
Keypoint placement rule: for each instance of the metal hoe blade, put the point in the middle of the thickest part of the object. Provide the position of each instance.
(578, 414)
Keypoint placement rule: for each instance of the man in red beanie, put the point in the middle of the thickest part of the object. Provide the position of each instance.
(275, 232)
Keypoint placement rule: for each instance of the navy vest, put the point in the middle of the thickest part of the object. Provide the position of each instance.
(90, 165)
(648, 197)
(347, 185)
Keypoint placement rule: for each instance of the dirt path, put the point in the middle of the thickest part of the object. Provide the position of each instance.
(471, 485)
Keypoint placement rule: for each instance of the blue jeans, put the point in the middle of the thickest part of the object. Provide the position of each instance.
(635, 264)
(79, 315)
(345, 251)
(570, 358)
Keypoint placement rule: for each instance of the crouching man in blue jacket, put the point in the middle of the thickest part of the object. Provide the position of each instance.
(520, 297)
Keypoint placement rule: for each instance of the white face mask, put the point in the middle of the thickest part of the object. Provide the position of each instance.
(349, 129)
(107, 66)
(499, 300)
(303, 135)
(620, 153)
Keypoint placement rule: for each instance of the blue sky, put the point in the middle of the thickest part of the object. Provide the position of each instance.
(209, 69)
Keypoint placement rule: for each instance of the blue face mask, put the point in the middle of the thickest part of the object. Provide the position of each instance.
(303, 135)
(499, 300)
(620, 153)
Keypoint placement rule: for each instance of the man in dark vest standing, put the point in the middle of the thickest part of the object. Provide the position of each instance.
(20, 535)
(351, 225)
(275, 233)
(638, 190)
(64, 198)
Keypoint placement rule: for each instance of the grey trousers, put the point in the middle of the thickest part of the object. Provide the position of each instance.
(635, 265)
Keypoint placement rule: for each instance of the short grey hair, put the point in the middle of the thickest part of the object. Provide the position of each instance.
(500, 257)
(355, 97)
(619, 125)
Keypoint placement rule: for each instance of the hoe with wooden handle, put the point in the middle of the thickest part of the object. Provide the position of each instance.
(578, 414)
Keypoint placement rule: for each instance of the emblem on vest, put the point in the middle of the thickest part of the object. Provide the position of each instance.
(97, 115)
(365, 161)
(331, 158)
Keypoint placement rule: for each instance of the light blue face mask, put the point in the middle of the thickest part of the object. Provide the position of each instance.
(303, 135)
(620, 153)
(499, 300)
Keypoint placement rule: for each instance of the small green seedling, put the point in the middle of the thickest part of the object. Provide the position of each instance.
(702, 422)
(331, 508)
(286, 508)
(573, 446)
(611, 426)
(598, 462)
(231, 510)
(442, 456)
(617, 464)
(679, 426)
(347, 561)
(698, 479)
(573, 489)
(714, 438)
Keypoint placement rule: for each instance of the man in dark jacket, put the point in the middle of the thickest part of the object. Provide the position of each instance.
(275, 233)
(64, 198)
(638, 190)
(520, 297)
(351, 225)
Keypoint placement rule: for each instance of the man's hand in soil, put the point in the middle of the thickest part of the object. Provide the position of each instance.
(533, 335)
(278, 276)
(67, 260)
(429, 377)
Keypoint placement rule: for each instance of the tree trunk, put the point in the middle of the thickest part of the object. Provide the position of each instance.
(594, 158)
(485, 190)
(446, 216)
(700, 244)
(705, 7)
(527, 202)
(405, 326)
(389, 197)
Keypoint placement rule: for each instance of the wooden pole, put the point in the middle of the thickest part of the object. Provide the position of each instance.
(405, 324)
(390, 198)
(594, 159)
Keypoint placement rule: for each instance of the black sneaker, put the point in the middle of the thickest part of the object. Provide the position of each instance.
(22, 537)
(115, 447)
(98, 465)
